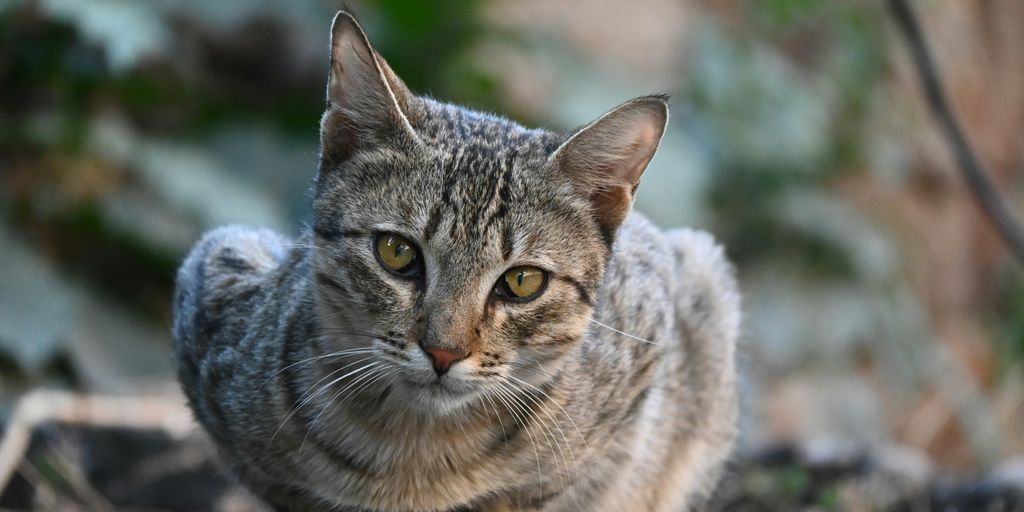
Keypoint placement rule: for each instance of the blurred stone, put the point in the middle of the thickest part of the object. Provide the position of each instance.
(826, 474)
(141, 215)
(283, 167)
(114, 352)
(1011, 473)
(835, 221)
(98, 467)
(910, 466)
(794, 320)
(823, 404)
(187, 178)
(821, 451)
(38, 310)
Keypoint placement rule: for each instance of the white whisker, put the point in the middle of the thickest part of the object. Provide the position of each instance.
(504, 433)
(373, 376)
(566, 413)
(504, 396)
(296, 408)
(626, 334)
(339, 353)
(548, 433)
(294, 245)
(546, 411)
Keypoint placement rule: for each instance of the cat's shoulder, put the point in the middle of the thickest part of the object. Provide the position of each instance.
(695, 254)
(696, 267)
(224, 264)
(227, 253)
(708, 296)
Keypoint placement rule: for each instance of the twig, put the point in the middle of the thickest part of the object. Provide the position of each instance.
(41, 406)
(973, 170)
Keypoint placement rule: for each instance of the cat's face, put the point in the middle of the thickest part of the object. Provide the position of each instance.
(458, 253)
(476, 249)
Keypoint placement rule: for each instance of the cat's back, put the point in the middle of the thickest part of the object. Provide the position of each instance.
(670, 302)
(222, 275)
(674, 292)
(678, 277)
(219, 289)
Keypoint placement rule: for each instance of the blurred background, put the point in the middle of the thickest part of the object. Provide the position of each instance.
(883, 314)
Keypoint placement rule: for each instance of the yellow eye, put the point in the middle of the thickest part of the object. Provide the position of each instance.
(396, 253)
(523, 282)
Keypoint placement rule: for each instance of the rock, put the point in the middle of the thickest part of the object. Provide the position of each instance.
(82, 453)
(826, 475)
(38, 311)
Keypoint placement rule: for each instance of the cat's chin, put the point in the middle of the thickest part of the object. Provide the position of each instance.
(439, 397)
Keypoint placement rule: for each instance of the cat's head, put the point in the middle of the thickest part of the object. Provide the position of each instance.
(458, 252)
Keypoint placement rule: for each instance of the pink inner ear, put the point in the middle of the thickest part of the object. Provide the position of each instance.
(637, 155)
(606, 158)
(611, 205)
(335, 87)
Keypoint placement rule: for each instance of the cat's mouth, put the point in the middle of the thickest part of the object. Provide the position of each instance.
(440, 387)
(437, 396)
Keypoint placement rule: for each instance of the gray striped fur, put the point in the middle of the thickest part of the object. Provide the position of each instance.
(614, 390)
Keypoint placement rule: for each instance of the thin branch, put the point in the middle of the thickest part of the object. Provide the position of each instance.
(974, 172)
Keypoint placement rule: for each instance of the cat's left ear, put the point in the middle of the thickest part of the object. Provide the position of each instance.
(605, 158)
(366, 101)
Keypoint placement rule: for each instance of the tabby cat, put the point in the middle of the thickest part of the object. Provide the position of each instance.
(473, 321)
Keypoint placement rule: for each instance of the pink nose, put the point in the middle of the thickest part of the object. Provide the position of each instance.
(444, 359)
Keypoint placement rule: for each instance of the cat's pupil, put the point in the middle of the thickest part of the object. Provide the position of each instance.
(399, 249)
(521, 277)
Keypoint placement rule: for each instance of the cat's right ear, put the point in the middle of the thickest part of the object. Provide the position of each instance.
(605, 158)
(366, 101)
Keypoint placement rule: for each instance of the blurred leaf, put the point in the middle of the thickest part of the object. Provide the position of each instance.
(114, 351)
(425, 43)
(1008, 318)
(37, 310)
(188, 179)
(127, 30)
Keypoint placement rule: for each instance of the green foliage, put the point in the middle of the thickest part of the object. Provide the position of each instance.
(775, 112)
(772, 487)
(754, 231)
(784, 11)
(1009, 322)
(774, 129)
(58, 81)
(426, 44)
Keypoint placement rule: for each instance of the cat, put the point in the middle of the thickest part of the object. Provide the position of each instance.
(474, 320)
